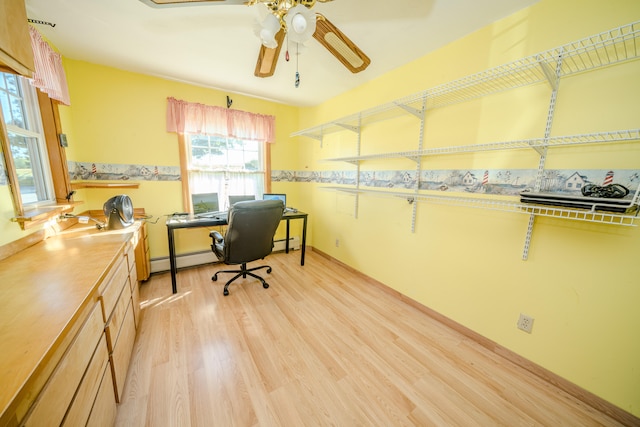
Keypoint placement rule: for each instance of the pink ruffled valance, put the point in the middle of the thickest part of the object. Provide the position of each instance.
(191, 117)
(49, 74)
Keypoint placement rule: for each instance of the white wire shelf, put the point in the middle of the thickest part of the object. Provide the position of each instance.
(504, 205)
(610, 47)
(610, 137)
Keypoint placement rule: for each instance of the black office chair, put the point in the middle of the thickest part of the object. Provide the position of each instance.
(249, 237)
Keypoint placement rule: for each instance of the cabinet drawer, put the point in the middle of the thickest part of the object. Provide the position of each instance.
(57, 394)
(131, 259)
(111, 288)
(122, 352)
(104, 409)
(114, 324)
(81, 407)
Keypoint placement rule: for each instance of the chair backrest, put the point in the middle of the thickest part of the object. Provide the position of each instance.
(252, 225)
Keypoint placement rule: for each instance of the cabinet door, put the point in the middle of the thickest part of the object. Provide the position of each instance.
(122, 350)
(111, 288)
(80, 409)
(16, 54)
(103, 413)
(143, 258)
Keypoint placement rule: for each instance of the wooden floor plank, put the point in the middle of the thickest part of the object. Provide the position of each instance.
(321, 346)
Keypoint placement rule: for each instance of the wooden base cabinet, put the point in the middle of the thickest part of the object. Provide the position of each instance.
(143, 257)
(104, 411)
(118, 312)
(69, 376)
(85, 328)
(81, 407)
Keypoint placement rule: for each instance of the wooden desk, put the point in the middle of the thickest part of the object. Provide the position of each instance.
(175, 222)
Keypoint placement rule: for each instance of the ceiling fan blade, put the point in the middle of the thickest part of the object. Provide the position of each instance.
(268, 58)
(340, 45)
(179, 3)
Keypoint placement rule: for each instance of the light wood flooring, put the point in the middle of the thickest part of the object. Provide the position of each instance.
(321, 347)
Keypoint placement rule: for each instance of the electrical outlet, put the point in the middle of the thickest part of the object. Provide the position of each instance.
(525, 323)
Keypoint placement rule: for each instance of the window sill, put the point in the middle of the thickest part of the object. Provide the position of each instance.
(82, 184)
(42, 215)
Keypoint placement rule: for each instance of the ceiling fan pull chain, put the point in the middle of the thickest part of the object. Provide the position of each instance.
(297, 58)
(286, 54)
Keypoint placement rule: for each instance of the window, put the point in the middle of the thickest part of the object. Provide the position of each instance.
(26, 141)
(226, 166)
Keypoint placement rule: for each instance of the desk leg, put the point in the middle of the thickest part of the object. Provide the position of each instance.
(172, 260)
(286, 244)
(304, 239)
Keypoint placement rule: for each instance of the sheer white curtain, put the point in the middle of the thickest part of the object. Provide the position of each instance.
(226, 184)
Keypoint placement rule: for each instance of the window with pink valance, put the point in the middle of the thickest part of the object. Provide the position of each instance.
(49, 74)
(194, 118)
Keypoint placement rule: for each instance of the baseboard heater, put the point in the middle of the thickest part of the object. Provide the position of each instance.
(207, 257)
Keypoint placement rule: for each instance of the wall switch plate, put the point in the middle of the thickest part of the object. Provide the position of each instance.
(525, 323)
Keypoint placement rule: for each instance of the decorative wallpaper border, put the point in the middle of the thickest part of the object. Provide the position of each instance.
(119, 172)
(492, 181)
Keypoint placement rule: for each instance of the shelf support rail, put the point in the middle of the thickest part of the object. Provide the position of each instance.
(357, 201)
(552, 77)
(414, 207)
(413, 111)
(355, 129)
(543, 155)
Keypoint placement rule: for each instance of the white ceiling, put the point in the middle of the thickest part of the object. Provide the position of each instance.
(215, 46)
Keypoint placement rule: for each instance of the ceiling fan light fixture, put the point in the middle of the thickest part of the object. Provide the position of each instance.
(269, 28)
(298, 23)
(301, 23)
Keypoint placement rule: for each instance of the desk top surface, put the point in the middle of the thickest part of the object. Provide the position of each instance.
(191, 220)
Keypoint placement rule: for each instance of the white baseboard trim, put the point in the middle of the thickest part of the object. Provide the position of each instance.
(184, 260)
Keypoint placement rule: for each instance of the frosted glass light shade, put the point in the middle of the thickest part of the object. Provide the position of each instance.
(301, 23)
(270, 27)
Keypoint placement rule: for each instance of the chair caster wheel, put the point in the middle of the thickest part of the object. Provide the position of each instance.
(215, 277)
(225, 292)
(269, 270)
(265, 285)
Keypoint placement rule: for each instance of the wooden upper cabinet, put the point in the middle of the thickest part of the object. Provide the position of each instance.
(16, 55)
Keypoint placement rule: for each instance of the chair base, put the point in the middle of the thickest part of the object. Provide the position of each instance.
(244, 272)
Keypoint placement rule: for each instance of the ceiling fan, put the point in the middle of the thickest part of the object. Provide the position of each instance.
(295, 19)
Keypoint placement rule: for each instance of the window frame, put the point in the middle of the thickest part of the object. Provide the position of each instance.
(183, 152)
(57, 162)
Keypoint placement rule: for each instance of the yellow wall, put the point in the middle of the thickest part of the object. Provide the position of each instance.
(120, 117)
(580, 280)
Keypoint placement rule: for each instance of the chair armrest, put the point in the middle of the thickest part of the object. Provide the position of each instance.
(216, 236)
(217, 244)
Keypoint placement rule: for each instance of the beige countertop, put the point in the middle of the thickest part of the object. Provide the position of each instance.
(42, 291)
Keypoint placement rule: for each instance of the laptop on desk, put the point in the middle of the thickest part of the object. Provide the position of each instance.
(275, 196)
(205, 205)
(279, 196)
